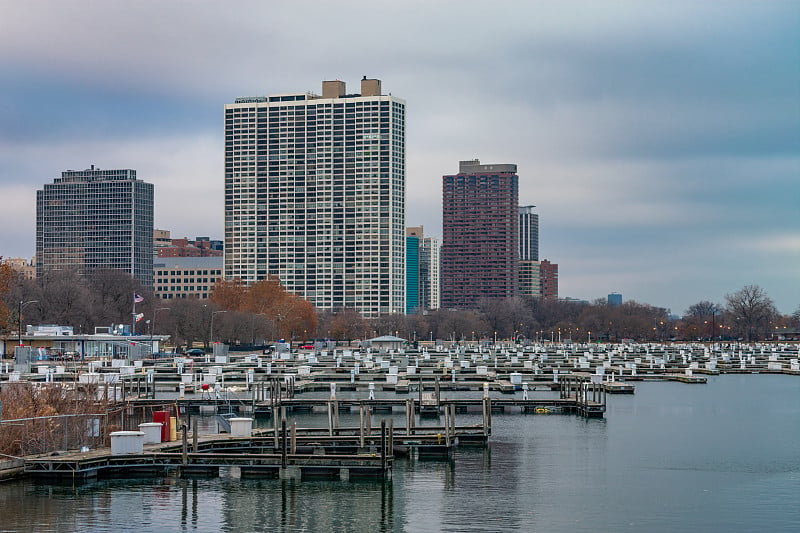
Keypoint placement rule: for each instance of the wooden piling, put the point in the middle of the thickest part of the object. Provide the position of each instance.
(335, 417)
(361, 426)
(284, 445)
(185, 444)
(391, 438)
(447, 427)
(383, 444)
(330, 418)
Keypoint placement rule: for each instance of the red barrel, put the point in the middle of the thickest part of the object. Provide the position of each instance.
(163, 417)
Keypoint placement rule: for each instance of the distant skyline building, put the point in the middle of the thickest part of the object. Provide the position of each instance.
(165, 246)
(413, 238)
(480, 241)
(26, 267)
(549, 280)
(615, 299)
(429, 273)
(529, 266)
(422, 267)
(95, 219)
(528, 234)
(161, 238)
(530, 283)
(315, 195)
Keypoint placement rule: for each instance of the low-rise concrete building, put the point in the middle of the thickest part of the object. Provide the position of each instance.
(186, 277)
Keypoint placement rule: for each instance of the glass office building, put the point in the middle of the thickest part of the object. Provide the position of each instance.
(95, 219)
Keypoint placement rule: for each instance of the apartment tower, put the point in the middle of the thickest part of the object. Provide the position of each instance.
(480, 241)
(529, 283)
(315, 195)
(429, 273)
(549, 280)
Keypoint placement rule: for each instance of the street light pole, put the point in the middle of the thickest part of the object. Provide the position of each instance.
(212, 326)
(155, 314)
(152, 327)
(19, 318)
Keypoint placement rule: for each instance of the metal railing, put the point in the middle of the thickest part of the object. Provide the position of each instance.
(46, 434)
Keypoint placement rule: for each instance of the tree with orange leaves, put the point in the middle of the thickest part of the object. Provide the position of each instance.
(290, 313)
(229, 295)
(6, 276)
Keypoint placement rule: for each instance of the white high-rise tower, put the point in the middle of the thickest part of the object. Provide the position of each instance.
(315, 195)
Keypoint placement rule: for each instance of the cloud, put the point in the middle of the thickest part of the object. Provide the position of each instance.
(788, 243)
(186, 173)
(659, 141)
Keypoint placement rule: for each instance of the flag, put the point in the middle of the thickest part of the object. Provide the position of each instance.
(139, 317)
(137, 299)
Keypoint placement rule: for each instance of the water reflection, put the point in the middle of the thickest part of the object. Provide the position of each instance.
(672, 457)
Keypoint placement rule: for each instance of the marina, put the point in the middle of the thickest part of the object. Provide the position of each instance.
(408, 402)
(670, 458)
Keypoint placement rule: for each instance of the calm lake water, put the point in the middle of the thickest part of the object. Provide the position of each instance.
(674, 457)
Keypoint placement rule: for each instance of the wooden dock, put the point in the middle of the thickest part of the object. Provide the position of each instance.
(252, 456)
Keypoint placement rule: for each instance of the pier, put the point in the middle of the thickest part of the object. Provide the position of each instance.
(427, 388)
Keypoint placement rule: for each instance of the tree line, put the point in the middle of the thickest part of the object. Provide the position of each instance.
(264, 312)
(747, 315)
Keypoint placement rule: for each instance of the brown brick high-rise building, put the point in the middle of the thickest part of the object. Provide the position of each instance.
(480, 226)
(549, 280)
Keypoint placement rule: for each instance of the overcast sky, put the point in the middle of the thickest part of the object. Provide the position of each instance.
(660, 141)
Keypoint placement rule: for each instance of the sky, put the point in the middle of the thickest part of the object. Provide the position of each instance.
(659, 141)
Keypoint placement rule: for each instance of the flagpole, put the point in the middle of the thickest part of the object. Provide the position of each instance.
(134, 317)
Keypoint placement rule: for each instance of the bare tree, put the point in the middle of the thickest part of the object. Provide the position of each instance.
(455, 325)
(112, 292)
(391, 324)
(188, 320)
(703, 309)
(506, 316)
(346, 324)
(63, 299)
(750, 311)
(700, 320)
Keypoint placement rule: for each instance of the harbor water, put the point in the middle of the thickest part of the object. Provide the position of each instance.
(673, 457)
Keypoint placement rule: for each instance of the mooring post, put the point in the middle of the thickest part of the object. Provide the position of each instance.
(335, 417)
(361, 425)
(284, 444)
(447, 426)
(391, 438)
(330, 418)
(489, 413)
(275, 425)
(185, 444)
(483, 409)
(294, 437)
(408, 417)
(194, 436)
(383, 445)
